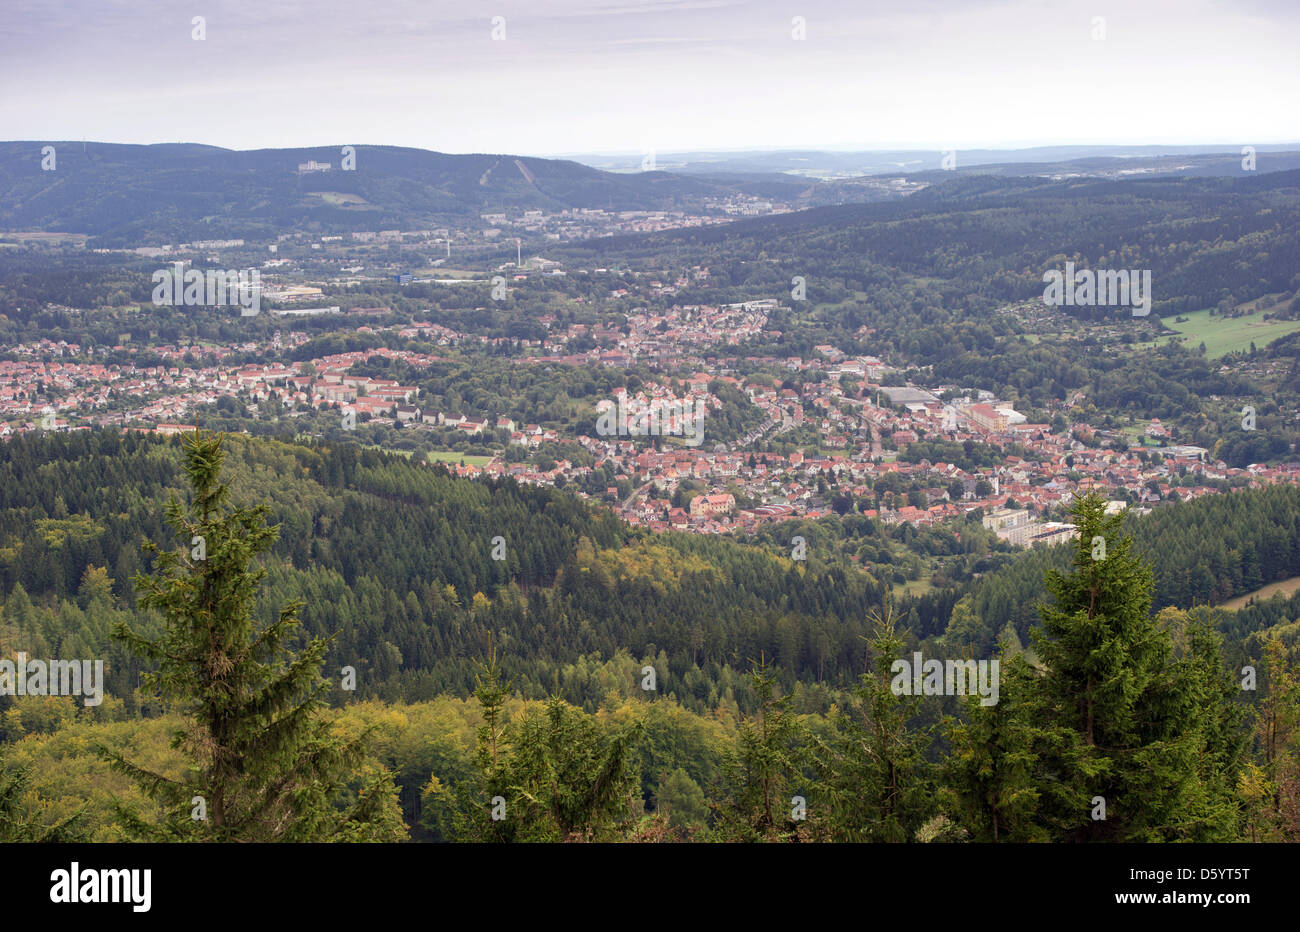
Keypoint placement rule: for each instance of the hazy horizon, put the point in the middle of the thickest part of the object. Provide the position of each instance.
(621, 76)
(1180, 148)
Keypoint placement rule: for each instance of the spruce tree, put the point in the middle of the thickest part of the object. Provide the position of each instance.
(472, 803)
(18, 824)
(990, 777)
(568, 780)
(763, 769)
(1217, 721)
(552, 775)
(873, 768)
(1125, 725)
(264, 763)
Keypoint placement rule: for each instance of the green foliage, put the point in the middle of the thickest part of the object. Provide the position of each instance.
(1200, 552)
(387, 556)
(873, 767)
(264, 764)
(1269, 787)
(683, 800)
(18, 823)
(714, 754)
(548, 775)
(991, 777)
(1129, 723)
(763, 768)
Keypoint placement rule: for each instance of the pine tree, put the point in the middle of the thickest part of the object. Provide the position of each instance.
(264, 764)
(763, 768)
(1135, 722)
(472, 803)
(873, 769)
(551, 776)
(990, 778)
(19, 825)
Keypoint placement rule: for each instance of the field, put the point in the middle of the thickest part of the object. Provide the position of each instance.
(339, 199)
(1288, 588)
(438, 456)
(450, 456)
(1136, 433)
(913, 587)
(1226, 335)
(15, 238)
(443, 272)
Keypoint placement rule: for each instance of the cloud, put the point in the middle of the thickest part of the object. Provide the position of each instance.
(600, 75)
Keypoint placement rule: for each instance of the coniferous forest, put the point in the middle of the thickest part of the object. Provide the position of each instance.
(306, 642)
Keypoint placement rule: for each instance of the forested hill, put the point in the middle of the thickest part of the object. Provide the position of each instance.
(397, 560)
(980, 240)
(128, 194)
(1202, 552)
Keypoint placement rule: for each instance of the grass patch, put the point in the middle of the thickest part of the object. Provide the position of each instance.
(40, 237)
(338, 198)
(913, 587)
(451, 456)
(1223, 335)
(1287, 588)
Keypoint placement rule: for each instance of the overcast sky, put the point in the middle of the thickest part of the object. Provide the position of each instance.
(576, 76)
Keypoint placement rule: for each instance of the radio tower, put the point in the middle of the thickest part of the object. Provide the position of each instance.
(519, 255)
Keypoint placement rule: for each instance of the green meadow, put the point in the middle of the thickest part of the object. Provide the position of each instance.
(1226, 335)
(450, 456)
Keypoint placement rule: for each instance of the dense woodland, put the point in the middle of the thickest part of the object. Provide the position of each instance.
(478, 679)
(396, 558)
(988, 239)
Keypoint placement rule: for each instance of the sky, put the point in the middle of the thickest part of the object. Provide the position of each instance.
(603, 76)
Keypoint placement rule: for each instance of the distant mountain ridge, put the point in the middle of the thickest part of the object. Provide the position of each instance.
(822, 162)
(130, 194)
(992, 234)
